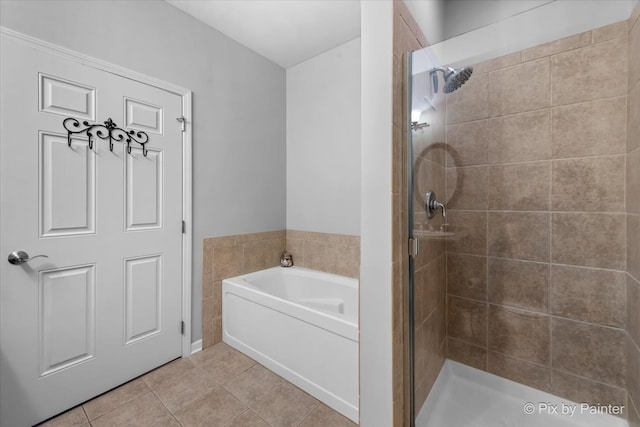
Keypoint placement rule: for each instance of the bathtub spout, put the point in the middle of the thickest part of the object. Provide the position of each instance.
(286, 260)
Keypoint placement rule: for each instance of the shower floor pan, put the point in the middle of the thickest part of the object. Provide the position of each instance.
(466, 397)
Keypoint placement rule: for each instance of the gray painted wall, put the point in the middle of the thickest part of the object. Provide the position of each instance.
(239, 112)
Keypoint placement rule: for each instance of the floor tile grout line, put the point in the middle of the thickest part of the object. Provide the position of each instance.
(318, 403)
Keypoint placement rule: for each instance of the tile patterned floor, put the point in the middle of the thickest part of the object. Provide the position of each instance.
(215, 387)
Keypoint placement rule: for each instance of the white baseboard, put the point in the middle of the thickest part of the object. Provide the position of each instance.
(196, 346)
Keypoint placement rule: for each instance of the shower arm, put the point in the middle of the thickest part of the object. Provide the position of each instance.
(446, 72)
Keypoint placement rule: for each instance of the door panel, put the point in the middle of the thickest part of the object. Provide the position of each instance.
(66, 317)
(67, 98)
(105, 306)
(67, 186)
(143, 176)
(146, 117)
(143, 294)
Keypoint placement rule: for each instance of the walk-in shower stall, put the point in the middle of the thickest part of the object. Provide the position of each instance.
(524, 219)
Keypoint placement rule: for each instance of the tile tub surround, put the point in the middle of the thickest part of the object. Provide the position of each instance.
(216, 387)
(632, 192)
(230, 256)
(537, 276)
(331, 253)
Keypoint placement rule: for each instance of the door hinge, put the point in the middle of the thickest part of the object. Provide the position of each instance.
(182, 121)
(184, 226)
(182, 328)
(414, 247)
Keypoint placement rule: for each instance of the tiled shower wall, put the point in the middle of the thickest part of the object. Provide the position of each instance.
(230, 256)
(633, 221)
(536, 275)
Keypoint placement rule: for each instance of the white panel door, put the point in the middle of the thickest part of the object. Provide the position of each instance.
(105, 306)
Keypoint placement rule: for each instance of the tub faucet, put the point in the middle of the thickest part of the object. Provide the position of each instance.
(286, 260)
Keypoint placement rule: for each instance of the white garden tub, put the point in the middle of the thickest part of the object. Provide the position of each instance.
(303, 325)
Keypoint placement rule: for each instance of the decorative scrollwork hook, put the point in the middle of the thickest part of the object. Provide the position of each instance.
(109, 130)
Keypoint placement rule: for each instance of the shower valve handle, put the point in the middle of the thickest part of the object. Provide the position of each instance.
(432, 205)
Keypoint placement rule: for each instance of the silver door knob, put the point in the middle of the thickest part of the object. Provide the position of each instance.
(20, 257)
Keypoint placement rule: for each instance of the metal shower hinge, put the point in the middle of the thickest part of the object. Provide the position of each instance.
(414, 247)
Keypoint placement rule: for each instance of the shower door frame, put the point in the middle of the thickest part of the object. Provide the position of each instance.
(413, 243)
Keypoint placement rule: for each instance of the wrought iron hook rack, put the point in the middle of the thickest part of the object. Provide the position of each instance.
(109, 130)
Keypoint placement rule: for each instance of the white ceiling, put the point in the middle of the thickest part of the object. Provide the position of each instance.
(285, 31)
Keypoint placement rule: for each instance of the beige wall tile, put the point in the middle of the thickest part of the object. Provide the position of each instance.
(633, 20)
(398, 84)
(467, 188)
(469, 102)
(519, 284)
(470, 232)
(585, 74)
(400, 8)
(634, 415)
(397, 167)
(220, 242)
(522, 186)
(207, 308)
(333, 258)
(588, 185)
(519, 235)
(261, 254)
(527, 373)
(469, 143)
(467, 276)
(428, 288)
(520, 138)
(428, 176)
(608, 32)
(207, 333)
(633, 118)
(428, 143)
(633, 182)
(521, 334)
(557, 46)
(594, 352)
(207, 285)
(578, 389)
(633, 370)
(467, 320)
(265, 235)
(590, 240)
(404, 40)
(595, 296)
(633, 245)
(216, 329)
(227, 262)
(634, 55)
(590, 128)
(633, 309)
(497, 63)
(469, 354)
(296, 248)
(521, 88)
(217, 299)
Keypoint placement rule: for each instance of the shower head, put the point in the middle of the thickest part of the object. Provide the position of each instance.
(453, 77)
